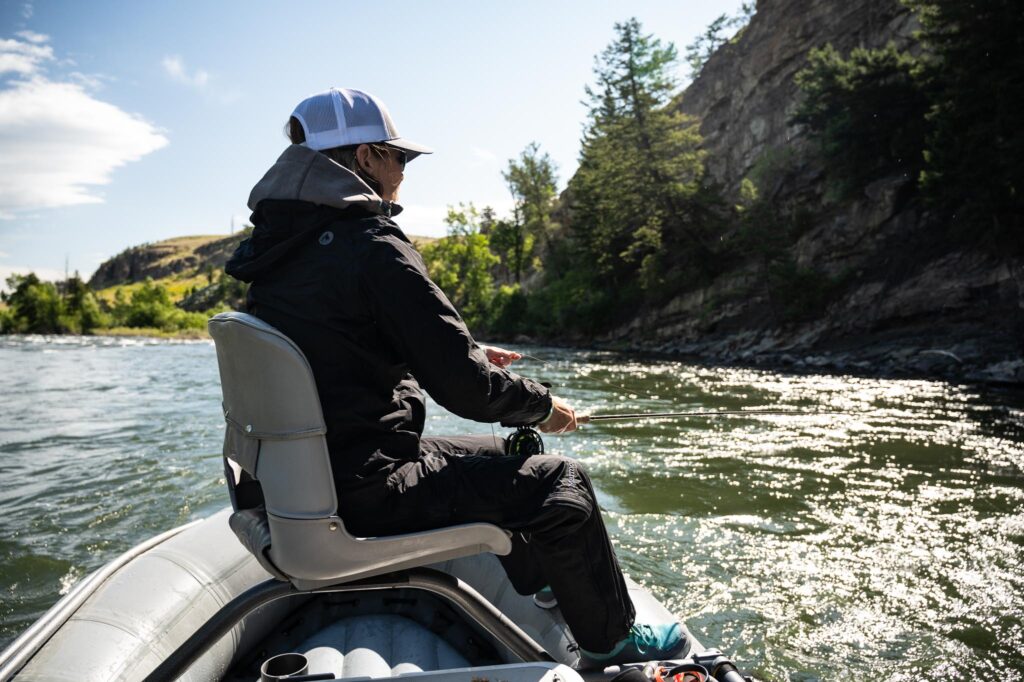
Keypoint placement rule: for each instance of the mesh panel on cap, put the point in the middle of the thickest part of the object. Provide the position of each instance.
(319, 114)
(362, 112)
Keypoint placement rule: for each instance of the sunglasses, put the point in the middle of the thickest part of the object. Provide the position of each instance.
(399, 156)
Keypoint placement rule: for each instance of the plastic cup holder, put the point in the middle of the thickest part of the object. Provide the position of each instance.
(283, 667)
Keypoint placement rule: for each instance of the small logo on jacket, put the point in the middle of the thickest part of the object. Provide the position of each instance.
(326, 238)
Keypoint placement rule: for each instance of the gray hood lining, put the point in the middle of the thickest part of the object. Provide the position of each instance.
(302, 174)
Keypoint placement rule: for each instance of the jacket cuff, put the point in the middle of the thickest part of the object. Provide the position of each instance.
(534, 412)
(550, 412)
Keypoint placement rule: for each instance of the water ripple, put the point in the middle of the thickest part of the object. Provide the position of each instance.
(875, 533)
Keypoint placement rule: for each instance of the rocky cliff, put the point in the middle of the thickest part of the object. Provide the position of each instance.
(907, 304)
(745, 95)
(164, 259)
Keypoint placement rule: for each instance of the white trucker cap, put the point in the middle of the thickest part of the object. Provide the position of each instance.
(341, 117)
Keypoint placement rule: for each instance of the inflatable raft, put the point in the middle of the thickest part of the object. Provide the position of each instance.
(276, 588)
(123, 621)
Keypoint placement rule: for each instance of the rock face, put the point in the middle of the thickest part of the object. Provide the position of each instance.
(745, 94)
(165, 258)
(908, 304)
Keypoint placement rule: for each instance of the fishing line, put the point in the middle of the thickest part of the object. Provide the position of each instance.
(587, 418)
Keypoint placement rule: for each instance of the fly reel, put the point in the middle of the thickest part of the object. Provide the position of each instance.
(525, 442)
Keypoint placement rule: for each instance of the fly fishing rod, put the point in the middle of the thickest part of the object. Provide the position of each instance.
(588, 418)
(526, 441)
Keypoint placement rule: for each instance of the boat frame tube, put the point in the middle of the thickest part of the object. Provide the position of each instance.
(22, 649)
(427, 579)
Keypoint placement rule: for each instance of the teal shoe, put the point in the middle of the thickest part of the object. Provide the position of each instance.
(644, 643)
(545, 598)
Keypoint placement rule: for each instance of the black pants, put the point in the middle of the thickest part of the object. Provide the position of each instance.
(559, 538)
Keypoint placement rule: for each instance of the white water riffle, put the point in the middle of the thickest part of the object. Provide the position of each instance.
(876, 532)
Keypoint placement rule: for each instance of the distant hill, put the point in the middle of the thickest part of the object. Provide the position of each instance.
(166, 259)
(191, 268)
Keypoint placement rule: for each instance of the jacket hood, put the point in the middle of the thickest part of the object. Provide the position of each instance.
(300, 191)
(302, 174)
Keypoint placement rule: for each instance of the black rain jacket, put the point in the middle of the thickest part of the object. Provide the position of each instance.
(331, 270)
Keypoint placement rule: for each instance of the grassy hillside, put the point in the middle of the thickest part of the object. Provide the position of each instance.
(182, 265)
(178, 286)
(168, 288)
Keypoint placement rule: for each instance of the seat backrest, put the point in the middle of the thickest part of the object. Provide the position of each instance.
(274, 444)
(274, 423)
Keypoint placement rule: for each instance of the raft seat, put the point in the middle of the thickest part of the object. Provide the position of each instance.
(279, 473)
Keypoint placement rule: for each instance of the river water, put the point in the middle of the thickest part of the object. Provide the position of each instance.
(875, 534)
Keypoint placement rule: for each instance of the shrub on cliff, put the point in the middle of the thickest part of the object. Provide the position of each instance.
(948, 118)
(867, 112)
(223, 292)
(714, 36)
(973, 172)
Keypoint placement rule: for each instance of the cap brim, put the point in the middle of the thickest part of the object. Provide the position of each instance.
(411, 148)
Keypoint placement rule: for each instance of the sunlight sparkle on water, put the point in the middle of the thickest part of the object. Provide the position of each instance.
(876, 533)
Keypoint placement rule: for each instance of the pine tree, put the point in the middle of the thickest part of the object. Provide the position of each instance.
(866, 112)
(973, 170)
(636, 194)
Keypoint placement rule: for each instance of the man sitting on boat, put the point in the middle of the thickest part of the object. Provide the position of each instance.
(331, 269)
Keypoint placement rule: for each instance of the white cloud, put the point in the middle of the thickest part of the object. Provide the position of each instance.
(200, 79)
(4, 254)
(175, 68)
(87, 80)
(26, 10)
(33, 37)
(57, 141)
(26, 56)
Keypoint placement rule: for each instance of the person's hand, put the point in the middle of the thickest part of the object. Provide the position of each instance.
(562, 419)
(500, 357)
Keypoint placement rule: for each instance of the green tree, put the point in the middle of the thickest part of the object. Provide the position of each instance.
(531, 180)
(867, 113)
(973, 172)
(714, 36)
(508, 311)
(150, 306)
(504, 237)
(461, 264)
(6, 320)
(637, 197)
(35, 307)
(82, 311)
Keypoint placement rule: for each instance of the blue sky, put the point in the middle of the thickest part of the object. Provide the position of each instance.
(131, 122)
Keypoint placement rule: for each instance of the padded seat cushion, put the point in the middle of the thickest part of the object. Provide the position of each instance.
(378, 646)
